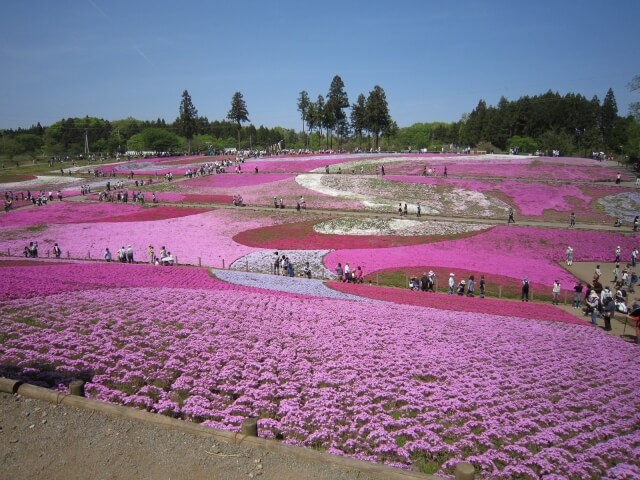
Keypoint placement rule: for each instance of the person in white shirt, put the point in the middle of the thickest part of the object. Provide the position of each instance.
(556, 292)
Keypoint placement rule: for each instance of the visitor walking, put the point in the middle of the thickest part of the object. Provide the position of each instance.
(510, 219)
(151, 255)
(524, 292)
(276, 263)
(609, 308)
(471, 286)
(569, 256)
(592, 307)
(556, 293)
(577, 296)
(452, 283)
(572, 220)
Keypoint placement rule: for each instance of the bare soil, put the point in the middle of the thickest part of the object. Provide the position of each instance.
(41, 440)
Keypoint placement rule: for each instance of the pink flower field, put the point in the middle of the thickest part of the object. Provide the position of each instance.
(456, 303)
(533, 199)
(540, 168)
(205, 237)
(515, 252)
(412, 387)
(76, 212)
(414, 380)
(233, 180)
(260, 190)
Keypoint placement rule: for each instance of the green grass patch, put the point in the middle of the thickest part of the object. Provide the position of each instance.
(31, 321)
(495, 286)
(401, 441)
(425, 463)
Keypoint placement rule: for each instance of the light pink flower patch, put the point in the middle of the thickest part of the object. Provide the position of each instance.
(564, 173)
(534, 199)
(233, 180)
(204, 238)
(262, 193)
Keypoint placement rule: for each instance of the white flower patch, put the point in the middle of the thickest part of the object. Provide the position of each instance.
(394, 226)
(379, 194)
(624, 205)
(319, 184)
(263, 261)
(39, 181)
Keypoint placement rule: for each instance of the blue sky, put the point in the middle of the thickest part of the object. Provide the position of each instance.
(435, 60)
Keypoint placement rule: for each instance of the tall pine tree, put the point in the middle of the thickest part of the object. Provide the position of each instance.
(238, 112)
(187, 120)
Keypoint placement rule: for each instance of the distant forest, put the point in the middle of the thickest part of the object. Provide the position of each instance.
(572, 124)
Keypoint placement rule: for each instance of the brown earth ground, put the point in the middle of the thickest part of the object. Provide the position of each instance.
(621, 326)
(42, 440)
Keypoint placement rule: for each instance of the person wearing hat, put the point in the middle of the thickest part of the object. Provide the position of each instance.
(452, 283)
(525, 290)
(460, 289)
(593, 303)
(432, 280)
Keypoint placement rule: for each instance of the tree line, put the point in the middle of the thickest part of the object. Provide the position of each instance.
(571, 123)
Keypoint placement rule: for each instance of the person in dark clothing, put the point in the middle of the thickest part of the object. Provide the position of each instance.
(524, 296)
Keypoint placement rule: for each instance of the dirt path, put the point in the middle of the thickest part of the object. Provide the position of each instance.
(620, 326)
(41, 440)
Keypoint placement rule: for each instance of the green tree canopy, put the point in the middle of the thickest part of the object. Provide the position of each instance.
(337, 101)
(378, 119)
(187, 119)
(238, 112)
(303, 106)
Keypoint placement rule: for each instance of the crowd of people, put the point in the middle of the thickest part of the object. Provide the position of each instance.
(126, 255)
(346, 275)
(282, 265)
(39, 199)
(31, 250)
